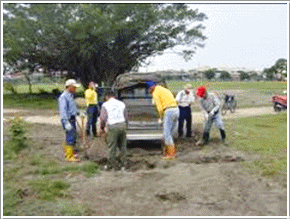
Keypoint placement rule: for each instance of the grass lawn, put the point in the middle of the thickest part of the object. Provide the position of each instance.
(248, 94)
(175, 86)
(264, 135)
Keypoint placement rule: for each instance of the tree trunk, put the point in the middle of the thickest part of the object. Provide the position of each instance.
(27, 76)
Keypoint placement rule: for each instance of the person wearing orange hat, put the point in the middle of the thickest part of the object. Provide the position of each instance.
(211, 104)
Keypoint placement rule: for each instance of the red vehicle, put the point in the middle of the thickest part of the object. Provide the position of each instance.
(280, 102)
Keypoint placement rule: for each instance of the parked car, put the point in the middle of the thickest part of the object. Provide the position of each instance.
(143, 116)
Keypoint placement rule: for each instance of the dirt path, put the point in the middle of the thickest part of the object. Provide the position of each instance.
(208, 181)
(51, 117)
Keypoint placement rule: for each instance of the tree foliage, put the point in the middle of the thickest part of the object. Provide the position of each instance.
(225, 75)
(276, 71)
(209, 74)
(244, 75)
(98, 41)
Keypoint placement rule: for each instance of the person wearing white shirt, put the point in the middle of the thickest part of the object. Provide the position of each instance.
(185, 99)
(114, 116)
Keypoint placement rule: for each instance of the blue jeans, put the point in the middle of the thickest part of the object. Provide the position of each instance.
(170, 120)
(214, 119)
(71, 136)
(92, 112)
(185, 114)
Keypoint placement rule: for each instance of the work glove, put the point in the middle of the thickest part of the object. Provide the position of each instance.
(211, 113)
(68, 126)
(82, 113)
(159, 121)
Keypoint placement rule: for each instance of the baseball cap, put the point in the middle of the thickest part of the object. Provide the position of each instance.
(200, 91)
(72, 82)
(188, 86)
(150, 84)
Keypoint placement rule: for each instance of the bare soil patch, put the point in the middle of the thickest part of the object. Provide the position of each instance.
(202, 181)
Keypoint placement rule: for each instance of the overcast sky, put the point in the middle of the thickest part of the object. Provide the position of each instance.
(250, 36)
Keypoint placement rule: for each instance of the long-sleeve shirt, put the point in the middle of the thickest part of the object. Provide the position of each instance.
(91, 96)
(163, 98)
(113, 111)
(184, 99)
(67, 106)
(212, 102)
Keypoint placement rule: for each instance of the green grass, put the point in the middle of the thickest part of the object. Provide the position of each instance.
(51, 167)
(36, 88)
(273, 86)
(29, 101)
(47, 189)
(250, 90)
(263, 135)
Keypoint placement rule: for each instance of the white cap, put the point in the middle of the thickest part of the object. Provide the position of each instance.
(72, 82)
(188, 86)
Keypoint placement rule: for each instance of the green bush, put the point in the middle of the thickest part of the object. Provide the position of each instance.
(9, 87)
(18, 134)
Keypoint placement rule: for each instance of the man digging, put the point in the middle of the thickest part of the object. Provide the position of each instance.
(211, 105)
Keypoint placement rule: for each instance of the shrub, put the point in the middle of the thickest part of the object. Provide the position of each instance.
(18, 134)
(9, 87)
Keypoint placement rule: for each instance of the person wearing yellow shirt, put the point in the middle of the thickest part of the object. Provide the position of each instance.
(168, 111)
(91, 98)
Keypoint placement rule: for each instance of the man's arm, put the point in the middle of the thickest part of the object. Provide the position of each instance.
(158, 106)
(103, 118)
(178, 97)
(63, 108)
(217, 104)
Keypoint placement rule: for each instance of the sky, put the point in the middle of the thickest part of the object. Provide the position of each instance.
(249, 36)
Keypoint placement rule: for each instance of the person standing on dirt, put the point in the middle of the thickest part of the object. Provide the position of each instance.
(68, 112)
(184, 99)
(114, 116)
(168, 111)
(211, 104)
(91, 98)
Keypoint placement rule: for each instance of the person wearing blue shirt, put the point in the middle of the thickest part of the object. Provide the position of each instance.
(68, 112)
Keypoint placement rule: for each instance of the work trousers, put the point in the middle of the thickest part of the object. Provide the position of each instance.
(116, 138)
(214, 119)
(170, 120)
(185, 114)
(70, 136)
(92, 113)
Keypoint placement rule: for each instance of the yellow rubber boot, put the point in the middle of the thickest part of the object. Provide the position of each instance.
(64, 148)
(170, 152)
(70, 154)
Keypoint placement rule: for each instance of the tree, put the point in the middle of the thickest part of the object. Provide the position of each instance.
(209, 74)
(244, 75)
(225, 75)
(98, 41)
(277, 71)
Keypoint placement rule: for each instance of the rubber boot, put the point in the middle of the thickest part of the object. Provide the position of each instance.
(204, 140)
(69, 156)
(223, 134)
(64, 147)
(170, 152)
